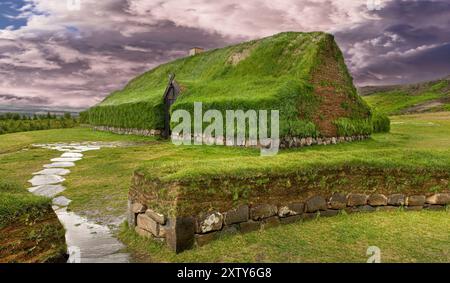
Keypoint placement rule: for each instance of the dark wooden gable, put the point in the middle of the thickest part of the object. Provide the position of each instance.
(170, 96)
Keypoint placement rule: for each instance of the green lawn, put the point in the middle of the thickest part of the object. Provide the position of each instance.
(393, 102)
(401, 236)
(403, 98)
(98, 186)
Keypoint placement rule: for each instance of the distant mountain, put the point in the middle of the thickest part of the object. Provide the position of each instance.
(431, 96)
(40, 110)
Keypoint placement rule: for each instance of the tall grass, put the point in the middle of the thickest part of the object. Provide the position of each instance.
(16, 201)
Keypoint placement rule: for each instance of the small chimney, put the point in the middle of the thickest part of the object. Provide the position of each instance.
(195, 51)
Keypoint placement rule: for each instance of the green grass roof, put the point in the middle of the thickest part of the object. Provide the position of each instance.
(281, 72)
(213, 76)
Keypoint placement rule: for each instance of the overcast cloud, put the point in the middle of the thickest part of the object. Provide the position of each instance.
(56, 55)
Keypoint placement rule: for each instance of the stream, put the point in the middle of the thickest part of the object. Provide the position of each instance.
(87, 241)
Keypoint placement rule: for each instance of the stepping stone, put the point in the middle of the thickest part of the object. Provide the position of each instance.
(53, 171)
(72, 155)
(88, 148)
(61, 201)
(47, 190)
(63, 159)
(60, 165)
(40, 180)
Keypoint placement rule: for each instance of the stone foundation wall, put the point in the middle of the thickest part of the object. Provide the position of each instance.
(181, 233)
(124, 131)
(285, 142)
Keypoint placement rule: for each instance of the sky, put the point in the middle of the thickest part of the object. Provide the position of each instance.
(73, 53)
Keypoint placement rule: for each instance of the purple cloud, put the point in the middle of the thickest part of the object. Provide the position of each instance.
(67, 57)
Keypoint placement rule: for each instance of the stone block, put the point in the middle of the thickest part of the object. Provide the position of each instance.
(209, 222)
(180, 234)
(415, 200)
(338, 201)
(291, 209)
(356, 199)
(138, 208)
(377, 200)
(263, 211)
(439, 199)
(396, 199)
(237, 215)
(163, 230)
(158, 217)
(316, 203)
(146, 223)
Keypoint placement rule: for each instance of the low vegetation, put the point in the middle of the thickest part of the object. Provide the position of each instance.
(29, 229)
(99, 185)
(15, 201)
(406, 237)
(417, 98)
(13, 122)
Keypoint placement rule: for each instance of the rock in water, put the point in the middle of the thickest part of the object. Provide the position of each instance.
(61, 201)
(60, 165)
(40, 180)
(65, 159)
(47, 190)
(53, 171)
(72, 155)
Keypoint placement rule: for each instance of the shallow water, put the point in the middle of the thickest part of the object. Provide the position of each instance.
(90, 242)
(87, 242)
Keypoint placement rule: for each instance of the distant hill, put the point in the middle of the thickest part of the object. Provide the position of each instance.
(39, 110)
(422, 97)
(301, 74)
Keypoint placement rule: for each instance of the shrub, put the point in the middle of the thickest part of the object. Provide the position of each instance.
(352, 127)
(16, 201)
(380, 122)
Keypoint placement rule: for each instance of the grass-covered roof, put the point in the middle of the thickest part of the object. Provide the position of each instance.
(285, 72)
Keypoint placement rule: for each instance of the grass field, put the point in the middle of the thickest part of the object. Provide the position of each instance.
(401, 236)
(29, 229)
(98, 186)
(423, 97)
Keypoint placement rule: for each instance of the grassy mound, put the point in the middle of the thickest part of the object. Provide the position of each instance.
(301, 74)
(406, 99)
(29, 229)
(16, 201)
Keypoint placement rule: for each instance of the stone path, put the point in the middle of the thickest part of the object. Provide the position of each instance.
(87, 242)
